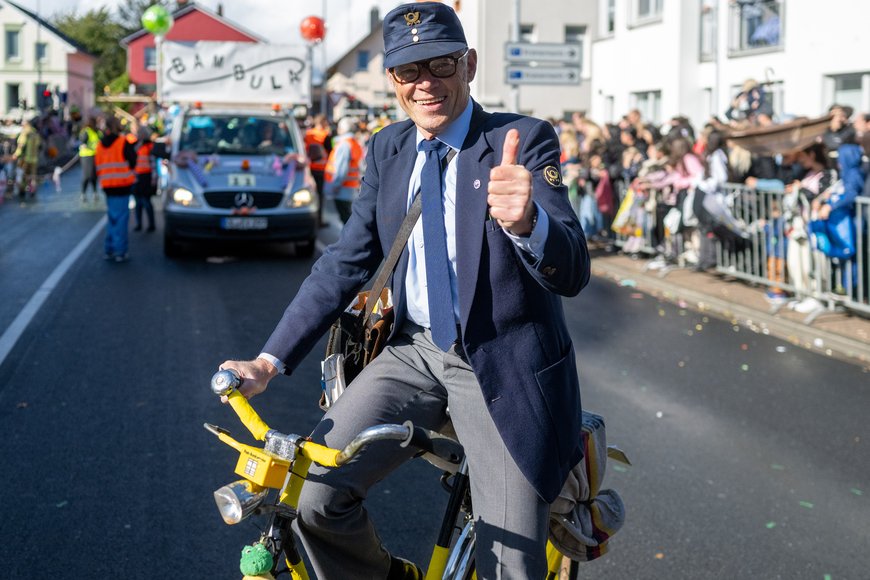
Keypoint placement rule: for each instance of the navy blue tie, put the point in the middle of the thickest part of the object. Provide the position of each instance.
(441, 319)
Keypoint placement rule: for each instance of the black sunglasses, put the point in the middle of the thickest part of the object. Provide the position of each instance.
(441, 67)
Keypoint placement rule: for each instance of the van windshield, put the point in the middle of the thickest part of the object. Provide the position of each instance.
(237, 134)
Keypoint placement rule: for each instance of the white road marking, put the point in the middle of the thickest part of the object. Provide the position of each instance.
(19, 325)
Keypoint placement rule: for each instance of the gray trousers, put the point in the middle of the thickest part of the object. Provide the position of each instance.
(413, 379)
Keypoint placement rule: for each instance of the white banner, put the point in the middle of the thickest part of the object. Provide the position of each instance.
(236, 72)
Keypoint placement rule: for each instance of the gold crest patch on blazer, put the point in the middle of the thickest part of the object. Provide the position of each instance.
(552, 175)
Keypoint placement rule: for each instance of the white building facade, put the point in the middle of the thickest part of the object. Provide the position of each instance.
(690, 57)
(35, 57)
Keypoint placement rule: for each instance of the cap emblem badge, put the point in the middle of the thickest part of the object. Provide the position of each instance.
(412, 18)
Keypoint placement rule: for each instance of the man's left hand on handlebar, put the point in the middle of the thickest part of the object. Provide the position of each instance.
(255, 375)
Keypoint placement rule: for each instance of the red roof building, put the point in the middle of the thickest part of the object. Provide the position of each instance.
(192, 24)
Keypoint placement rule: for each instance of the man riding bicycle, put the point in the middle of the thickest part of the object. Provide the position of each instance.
(479, 323)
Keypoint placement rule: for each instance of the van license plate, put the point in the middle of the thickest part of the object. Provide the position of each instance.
(244, 223)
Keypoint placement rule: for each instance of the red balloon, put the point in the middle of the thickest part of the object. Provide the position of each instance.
(312, 28)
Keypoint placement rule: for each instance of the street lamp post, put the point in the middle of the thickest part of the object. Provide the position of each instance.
(313, 30)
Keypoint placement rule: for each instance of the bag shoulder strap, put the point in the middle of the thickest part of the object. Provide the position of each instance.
(399, 244)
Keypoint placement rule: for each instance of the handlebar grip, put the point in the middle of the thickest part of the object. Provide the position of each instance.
(226, 383)
(248, 416)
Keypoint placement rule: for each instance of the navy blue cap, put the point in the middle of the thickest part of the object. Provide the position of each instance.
(420, 31)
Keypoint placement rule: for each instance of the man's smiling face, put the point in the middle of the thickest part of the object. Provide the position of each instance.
(434, 103)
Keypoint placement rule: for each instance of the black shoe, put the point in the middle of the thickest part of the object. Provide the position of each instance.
(401, 569)
(137, 229)
(150, 228)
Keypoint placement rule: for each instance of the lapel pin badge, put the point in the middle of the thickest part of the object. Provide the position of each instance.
(476, 184)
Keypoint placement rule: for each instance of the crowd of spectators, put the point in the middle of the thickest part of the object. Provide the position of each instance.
(674, 189)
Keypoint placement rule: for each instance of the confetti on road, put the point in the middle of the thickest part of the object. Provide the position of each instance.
(636, 295)
(744, 368)
(619, 468)
(681, 364)
(777, 466)
(699, 328)
(856, 491)
(807, 504)
(659, 414)
(64, 503)
(781, 349)
(828, 577)
(818, 343)
(661, 312)
(628, 283)
(660, 556)
(21, 405)
(770, 525)
(744, 346)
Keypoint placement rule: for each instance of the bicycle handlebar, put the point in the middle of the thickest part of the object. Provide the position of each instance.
(225, 383)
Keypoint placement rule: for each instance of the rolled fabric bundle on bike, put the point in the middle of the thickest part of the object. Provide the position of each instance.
(584, 517)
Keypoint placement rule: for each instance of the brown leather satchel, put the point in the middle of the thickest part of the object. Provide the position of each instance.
(360, 333)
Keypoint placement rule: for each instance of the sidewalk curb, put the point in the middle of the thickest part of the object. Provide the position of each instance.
(797, 333)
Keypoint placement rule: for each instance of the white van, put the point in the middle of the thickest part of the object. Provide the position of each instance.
(241, 176)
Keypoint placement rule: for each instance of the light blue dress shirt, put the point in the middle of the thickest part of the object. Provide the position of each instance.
(415, 278)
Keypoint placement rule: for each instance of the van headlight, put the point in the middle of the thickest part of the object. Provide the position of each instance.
(300, 198)
(184, 197)
(238, 500)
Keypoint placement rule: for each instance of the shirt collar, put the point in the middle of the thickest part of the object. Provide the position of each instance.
(455, 133)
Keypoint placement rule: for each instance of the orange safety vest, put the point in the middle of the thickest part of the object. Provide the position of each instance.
(112, 168)
(143, 158)
(356, 155)
(315, 136)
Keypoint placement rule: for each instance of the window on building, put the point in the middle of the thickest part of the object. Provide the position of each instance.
(527, 33)
(607, 15)
(608, 108)
(643, 11)
(13, 44)
(708, 30)
(362, 60)
(755, 25)
(576, 35)
(13, 95)
(41, 52)
(850, 89)
(150, 55)
(649, 103)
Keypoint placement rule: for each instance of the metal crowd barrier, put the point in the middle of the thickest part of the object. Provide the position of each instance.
(776, 250)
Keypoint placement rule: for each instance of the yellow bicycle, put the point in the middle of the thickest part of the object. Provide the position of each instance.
(282, 464)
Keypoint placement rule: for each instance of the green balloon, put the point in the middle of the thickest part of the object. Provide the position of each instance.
(157, 20)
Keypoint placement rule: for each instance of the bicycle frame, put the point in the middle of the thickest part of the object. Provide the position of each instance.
(283, 464)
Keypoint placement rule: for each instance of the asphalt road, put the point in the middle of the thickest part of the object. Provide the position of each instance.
(750, 454)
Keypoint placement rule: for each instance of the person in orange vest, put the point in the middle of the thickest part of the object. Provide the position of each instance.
(146, 186)
(115, 161)
(343, 168)
(317, 148)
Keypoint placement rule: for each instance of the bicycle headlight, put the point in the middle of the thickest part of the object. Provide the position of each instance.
(184, 197)
(238, 500)
(300, 198)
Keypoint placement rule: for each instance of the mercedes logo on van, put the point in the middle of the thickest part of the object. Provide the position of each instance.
(244, 199)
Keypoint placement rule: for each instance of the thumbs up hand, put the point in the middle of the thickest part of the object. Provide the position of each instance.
(510, 190)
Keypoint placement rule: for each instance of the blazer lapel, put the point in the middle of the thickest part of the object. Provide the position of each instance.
(395, 174)
(472, 180)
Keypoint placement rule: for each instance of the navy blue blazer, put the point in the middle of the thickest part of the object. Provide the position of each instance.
(513, 326)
